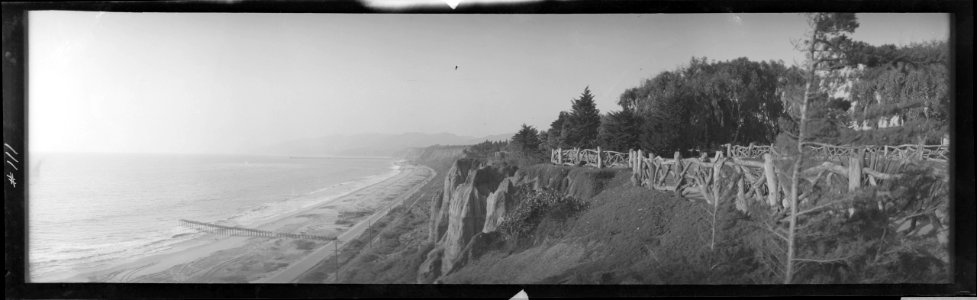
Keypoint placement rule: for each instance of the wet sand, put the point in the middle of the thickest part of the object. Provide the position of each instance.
(241, 259)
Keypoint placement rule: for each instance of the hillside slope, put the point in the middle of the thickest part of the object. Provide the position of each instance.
(634, 235)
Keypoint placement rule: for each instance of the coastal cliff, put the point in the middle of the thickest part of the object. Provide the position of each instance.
(459, 212)
(475, 198)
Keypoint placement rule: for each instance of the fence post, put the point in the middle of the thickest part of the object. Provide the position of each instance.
(639, 166)
(717, 172)
(855, 170)
(729, 150)
(631, 159)
(559, 155)
(740, 195)
(679, 177)
(920, 152)
(773, 195)
(600, 160)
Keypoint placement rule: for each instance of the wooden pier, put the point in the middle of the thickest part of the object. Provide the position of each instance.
(240, 231)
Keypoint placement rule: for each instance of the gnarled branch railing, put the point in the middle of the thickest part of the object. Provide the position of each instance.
(589, 157)
(756, 180)
(827, 151)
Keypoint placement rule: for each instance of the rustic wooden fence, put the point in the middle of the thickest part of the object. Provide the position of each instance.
(589, 157)
(758, 180)
(751, 173)
(939, 153)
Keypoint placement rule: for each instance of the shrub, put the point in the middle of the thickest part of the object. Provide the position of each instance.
(533, 207)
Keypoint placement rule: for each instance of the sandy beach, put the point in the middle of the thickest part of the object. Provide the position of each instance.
(241, 259)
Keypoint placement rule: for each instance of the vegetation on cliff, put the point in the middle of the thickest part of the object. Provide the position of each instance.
(533, 206)
(623, 234)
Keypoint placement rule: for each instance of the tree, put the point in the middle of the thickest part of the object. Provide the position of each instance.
(542, 137)
(526, 140)
(484, 149)
(620, 130)
(665, 115)
(824, 52)
(554, 134)
(907, 86)
(629, 99)
(706, 104)
(581, 126)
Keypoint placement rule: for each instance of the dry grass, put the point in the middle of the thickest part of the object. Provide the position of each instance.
(628, 235)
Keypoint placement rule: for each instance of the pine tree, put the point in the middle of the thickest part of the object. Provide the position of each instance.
(554, 135)
(526, 140)
(828, 35)
(581, 127)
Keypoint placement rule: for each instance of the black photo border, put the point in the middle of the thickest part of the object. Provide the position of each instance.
(962, 170)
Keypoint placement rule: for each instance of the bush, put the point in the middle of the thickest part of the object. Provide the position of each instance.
(864, 236)
(535, 205)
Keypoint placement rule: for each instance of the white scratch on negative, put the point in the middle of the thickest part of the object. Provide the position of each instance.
(11, 157)
(11, 148)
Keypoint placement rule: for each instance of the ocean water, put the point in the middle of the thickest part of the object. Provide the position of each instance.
(91, 211)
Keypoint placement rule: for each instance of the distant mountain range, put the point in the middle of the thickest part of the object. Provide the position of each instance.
(373, 144)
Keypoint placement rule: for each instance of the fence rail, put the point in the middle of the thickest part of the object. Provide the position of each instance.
(590, 157)
(827, 151)
(750, 173)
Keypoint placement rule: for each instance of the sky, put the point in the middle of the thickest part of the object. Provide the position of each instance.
(222, 83)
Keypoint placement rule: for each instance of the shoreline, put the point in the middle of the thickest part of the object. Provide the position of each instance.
(205, 258)
(299, 269)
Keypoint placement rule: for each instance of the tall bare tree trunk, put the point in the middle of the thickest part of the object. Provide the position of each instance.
(791, 237)
(791, 233)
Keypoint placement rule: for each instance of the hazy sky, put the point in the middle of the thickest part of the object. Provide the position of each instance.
(163, 82)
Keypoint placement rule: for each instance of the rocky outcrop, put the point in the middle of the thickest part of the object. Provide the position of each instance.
(467, 212)
(498, 203)
(453, 179)
(480, 244)
(437, 201)
(459, 213)
(430, 269)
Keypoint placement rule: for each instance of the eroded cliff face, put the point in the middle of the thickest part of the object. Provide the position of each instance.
(498, 203)
(473, 202)
(459, 213)
(453, 181)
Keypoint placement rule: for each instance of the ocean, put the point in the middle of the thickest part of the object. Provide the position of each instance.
(92, 211)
